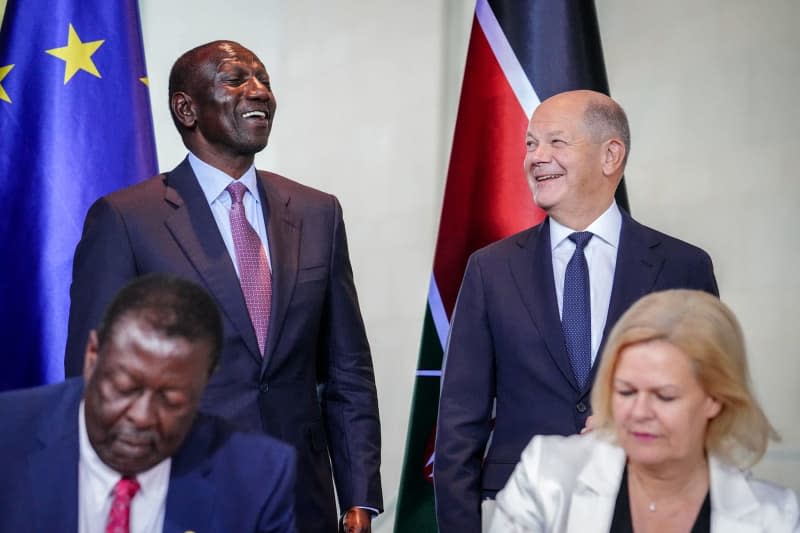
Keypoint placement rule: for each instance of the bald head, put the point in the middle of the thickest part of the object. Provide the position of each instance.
(577, 143)
(194, 67)
(603, 117)
(222, 103)
(189, 65)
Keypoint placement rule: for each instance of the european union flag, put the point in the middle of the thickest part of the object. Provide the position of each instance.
(75, 124)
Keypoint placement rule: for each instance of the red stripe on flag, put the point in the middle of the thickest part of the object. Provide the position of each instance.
(486, 197)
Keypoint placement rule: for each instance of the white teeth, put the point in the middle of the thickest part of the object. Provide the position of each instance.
(259, 114)
(549, 177)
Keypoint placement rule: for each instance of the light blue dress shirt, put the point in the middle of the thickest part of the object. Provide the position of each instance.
(213, 182)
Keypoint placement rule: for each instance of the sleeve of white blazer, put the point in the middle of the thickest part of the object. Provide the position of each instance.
(521, 506)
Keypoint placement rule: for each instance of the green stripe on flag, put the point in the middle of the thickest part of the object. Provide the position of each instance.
(415, 505)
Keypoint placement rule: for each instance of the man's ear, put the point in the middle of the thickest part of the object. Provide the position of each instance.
(90, 357)
(183, 109)
(613, 156)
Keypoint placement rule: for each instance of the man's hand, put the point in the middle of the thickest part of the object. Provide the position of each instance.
(589, 425)
(357, 520)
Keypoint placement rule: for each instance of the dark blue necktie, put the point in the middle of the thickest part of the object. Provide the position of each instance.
(576, 314)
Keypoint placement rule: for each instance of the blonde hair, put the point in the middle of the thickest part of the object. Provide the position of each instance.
(707, 331)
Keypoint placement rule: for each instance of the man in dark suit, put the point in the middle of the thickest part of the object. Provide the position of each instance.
(514, 345)
(295, 361)
(123, 448)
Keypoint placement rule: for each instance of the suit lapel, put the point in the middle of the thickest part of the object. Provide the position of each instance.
(538, 292)
(283, 231)
(191, 497)
(53, 467)
(734, 507)
(636, 271)
(592, 505)
(193, 226)
(635, 274)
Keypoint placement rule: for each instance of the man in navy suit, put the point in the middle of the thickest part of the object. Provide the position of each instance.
(308, 379)
(507, 350)
(123, 447)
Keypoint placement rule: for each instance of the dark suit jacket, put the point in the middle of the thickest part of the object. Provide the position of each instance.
(314, 387)
(212, 487)
(506, 344)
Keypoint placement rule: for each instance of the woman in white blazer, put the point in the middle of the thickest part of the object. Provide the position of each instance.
(676, 427)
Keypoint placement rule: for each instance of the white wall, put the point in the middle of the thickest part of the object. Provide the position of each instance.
(711, 92)
(367, 94)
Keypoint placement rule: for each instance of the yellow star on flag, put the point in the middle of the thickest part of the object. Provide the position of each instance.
(77, 55)
(3, 73)
(145, 80)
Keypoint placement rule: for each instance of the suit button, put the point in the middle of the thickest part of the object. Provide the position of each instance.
(263, 387)
(581, 407)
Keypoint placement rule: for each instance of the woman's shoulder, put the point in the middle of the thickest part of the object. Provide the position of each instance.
(735, 491)
(594, 440)
(562, 454)
(777, 501)
(540, 494)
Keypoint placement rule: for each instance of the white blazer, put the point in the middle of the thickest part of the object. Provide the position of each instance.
(570, 484)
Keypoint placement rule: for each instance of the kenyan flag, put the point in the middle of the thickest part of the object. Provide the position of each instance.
(520, 52)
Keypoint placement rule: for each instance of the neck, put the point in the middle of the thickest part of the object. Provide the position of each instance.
(579, 219)
(233, 166)
(665, 481)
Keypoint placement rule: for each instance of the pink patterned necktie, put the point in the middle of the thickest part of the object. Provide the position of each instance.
(254, 273)
(119, 517)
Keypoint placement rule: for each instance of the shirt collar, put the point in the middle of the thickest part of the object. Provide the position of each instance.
(213, 181)
(103, 476)
(607, 226)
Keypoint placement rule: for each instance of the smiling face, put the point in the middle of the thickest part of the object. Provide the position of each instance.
(659, 409)
(568, 169)
(228, 106)
(142, 392)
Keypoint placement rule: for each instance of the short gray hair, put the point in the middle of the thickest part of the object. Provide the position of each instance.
(605, 119)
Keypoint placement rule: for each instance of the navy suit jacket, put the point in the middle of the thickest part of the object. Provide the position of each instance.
(506, 344)
(314, 388)
(212, 487)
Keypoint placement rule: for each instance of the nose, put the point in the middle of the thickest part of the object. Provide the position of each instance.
(258, 90)
(142, 411)
(535, 157)
(539, 154)
(641, 407)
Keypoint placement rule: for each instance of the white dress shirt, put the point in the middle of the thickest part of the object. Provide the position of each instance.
(96, 482)
(213, 182)
(601, 258)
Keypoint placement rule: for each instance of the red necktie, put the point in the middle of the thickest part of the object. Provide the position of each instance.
(119, 517)
(254, 273)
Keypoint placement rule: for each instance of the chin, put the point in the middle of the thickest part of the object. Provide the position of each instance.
(647, 456)
(542, 203)
(132, 463)
(252, 148)
(545, 199)
(131, 468)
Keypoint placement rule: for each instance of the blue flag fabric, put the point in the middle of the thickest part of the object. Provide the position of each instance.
(75, 124)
